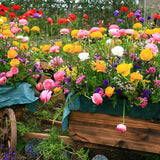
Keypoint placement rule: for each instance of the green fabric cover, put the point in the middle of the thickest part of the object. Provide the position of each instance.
(19, 93)
(83, 104)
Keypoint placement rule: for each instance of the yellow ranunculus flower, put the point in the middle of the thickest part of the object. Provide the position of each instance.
(35, 49)
(45, 48)
(74, 33)
(14, 62)
(11, 53)
(102, 29)
(137, 26)
(149, 31)
(15, 43)
(124, 69)
(4, 19)
(135, 76)
(58, 43)
(35, 28)
(26, 28)
(100, 66)
(146, 54)
(24, 46)
(57, 90)
(7, 33)
(96, 34)
(68, 48)
(76, 48)
(109, 91)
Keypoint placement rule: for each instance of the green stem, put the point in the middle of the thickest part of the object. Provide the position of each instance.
(124, 111)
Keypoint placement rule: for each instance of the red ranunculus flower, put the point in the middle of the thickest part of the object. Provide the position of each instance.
(61, 20)
(22, 17)
(85, 16)
(16, 7)
(40, 12)
(12, 15)
(30, 12)
(49, 19)
(130, 15)
(73, 17)
(5, 9)
(67, 20)
(125, 9)
(156, 16)
(85, 23)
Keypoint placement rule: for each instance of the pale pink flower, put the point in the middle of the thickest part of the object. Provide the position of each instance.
(59, 76)
(14, 70)
(14, 30)
(45, 95)
(121, 32)
(96, 98)
(80, 79)
(1, 35)
(48, 84)
(156, 37)
(64, 31)
(15, 48)
(129, 31)
(39, 86)
(94, 29)
(114, 26)
(121, 128)
(83, 33)
(12, 23)
(115, 34)
(54, 49)
(57, 61)
(9, 74)
(24, 39)
(3, 80)
(23, 22)
(152, 47)
(66, 91)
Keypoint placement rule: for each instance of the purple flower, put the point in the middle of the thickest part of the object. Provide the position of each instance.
(37, 15)
(149, 17)
(120, 20)
(97, 89)
(116, 12)
(137, 67)
(84, 84)
(115, 64)
(141, 19)
(119, 91)
(70, 68)
(138, 13)
(68, 80)
(106, 82)
(146, 93)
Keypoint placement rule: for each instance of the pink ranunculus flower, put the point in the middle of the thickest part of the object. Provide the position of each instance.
(3, 80)
(14, 70)
(96, 98)
(3, 74)
(57, 61)
(83, 33)
(24, 39)
(152, 47)
(9, 74)
(15, 30)
(59, 76)
(1, 35)
(115, 34)
(114, 26)
(94, 29)
(121, 32)
(129, 31)
(39, 86)
(23, 22)
(66, 91)
(80, 79)
(12, 23)
(156, 37)
(12, 35)
(57, 84)
(121, 128)
(15, 48)
(145, 36)
(48, 84)
(64, 31)
(45, 95)
(35, 76)
(54, 49)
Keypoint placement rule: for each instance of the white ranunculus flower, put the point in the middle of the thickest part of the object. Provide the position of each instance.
(113, 30)
(109, 41)
(117, 51)
(83, 56)
(19, 37)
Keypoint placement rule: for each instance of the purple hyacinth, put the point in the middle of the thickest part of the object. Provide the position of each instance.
(116, 12)
(106, 82)
(141, 19)
(120, 20)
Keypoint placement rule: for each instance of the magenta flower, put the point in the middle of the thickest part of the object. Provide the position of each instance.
(59, 76)
(80, 79)
(48, 84)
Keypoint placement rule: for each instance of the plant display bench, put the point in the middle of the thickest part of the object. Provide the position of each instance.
(99, 131)
(13, 100)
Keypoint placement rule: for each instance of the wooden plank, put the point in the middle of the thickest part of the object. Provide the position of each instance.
(141, 135)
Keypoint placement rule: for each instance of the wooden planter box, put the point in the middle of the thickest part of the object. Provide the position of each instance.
(100, 129)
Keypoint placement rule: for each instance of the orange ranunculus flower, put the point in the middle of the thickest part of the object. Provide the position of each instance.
(146, 54)
(135, 76)
(14, 62)
(11, 53)
(109, 91)
(26, 28)
(58, 43)
(100, 66)
(24, 46)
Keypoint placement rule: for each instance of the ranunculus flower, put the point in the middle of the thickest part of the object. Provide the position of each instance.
(14, 70)
(3, 80)
(114, 26)
(152, 47)
(156, 37)
(109, 91)
(129, 31)
(23, 22)
(54, 49)
(85, 16)
(96, 98)
(9, 74)
(121, 128)
(57, 61)
(3, 74)
(59, 76)
(64, 31)
(39, 86)
(94, 29)
(115, 34)
(49, 19)
(48, 84)
(15, 30)
(83, 56)
(66, 91)
(117, 51)
(45, 95)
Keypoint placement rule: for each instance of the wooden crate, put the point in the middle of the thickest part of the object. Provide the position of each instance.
(100, 129)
